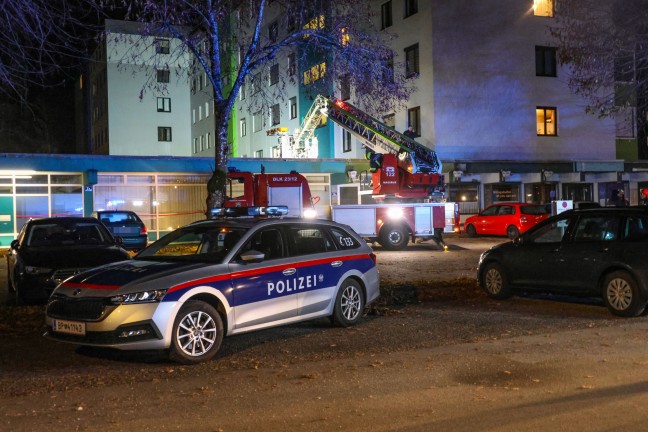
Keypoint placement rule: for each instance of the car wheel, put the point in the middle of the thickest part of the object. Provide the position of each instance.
(349, 304)
(471, 231)
(494, 282)
(621, 295)
(512, 232)
(393, 237)
(197, 333)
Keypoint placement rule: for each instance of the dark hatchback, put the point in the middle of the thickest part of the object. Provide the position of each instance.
(590, 252)
(49, 250)
(127, 225)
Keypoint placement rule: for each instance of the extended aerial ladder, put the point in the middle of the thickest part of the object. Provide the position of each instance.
(379, 137)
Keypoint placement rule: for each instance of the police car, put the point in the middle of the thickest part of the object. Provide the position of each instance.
(218, 277)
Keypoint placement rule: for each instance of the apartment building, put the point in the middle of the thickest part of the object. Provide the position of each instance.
(134, 98)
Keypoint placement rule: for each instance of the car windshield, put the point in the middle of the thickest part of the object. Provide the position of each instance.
(62, 233)
(199, 243)
(533, 210)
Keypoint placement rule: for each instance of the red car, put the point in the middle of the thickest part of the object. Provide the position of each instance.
(509, 219)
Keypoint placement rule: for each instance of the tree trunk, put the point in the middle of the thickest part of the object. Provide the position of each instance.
(217, 182)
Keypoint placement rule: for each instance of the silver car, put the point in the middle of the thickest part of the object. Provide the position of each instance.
(213, 278)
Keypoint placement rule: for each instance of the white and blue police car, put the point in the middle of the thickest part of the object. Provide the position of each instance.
(218, 277)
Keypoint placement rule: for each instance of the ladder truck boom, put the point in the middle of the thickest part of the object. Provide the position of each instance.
(379, 137)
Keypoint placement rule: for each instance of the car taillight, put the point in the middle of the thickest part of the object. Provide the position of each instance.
(143, 230)
(373, 257)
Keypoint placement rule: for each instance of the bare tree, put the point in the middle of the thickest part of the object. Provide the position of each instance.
(39, 40)
(234, 42)
(605, 46)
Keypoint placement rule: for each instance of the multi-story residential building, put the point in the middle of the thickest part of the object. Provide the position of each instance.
(134, 104)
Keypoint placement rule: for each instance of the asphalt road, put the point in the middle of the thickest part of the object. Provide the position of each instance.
(435, 354)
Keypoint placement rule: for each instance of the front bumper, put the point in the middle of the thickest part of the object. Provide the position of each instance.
(127, 327)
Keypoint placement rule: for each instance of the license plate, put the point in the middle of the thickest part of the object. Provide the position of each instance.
(69, 327)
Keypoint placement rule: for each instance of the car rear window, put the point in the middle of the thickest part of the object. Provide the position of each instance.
(533, 210)
(118, 217)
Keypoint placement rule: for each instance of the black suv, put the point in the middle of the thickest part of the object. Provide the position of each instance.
(125, 225)
(597, 252)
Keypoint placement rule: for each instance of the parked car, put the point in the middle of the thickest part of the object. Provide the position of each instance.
(597, 252)
(127, 225)
(49, 250)
(215, 278)
(505, 219)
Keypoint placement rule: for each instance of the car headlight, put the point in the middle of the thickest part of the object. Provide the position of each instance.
(139, 297)
(31, 270)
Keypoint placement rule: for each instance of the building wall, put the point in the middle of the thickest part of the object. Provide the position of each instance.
(485, 89)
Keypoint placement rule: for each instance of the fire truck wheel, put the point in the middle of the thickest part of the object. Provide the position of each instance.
(349, 304)
(393, 237)
(197, 333)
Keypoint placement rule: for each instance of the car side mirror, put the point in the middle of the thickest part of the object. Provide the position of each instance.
(252, 256)
(14, 244)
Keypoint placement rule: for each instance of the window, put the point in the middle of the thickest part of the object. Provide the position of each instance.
(543, 8)
(163, 75)
(314, 73)
(243, 127)
(276, 151)
(242, 91)
(274, 74)
(292, 64)
(386, 15)
(546, 121)
(195, 145)
(164, 133)
(208, 140)
(411, 61)
(202, 142)
(162, 46)
(316, 23)
(414, 119)
(193, 116)
(206, 109)
(200, 113)
(346, 141)
(273, 31)
(345, 87)
(388, 69)
(545, 61)
(345, 36)
(275, 115)
(258, 154)
(293, 107)
(411, 7)
(257, 121)
(164, 104)
(624, 67)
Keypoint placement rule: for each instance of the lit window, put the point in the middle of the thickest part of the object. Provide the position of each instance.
(276, 151)
(414, 120)
(164, 104)
(164, 133)
(314, 73)
(543, 8)
(316, 23)
(345, 36)
(546, 121)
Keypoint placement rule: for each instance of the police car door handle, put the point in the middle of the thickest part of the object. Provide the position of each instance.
(336, 263)
(289, 271)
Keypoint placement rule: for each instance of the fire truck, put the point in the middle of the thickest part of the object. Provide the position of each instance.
(407, 186)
